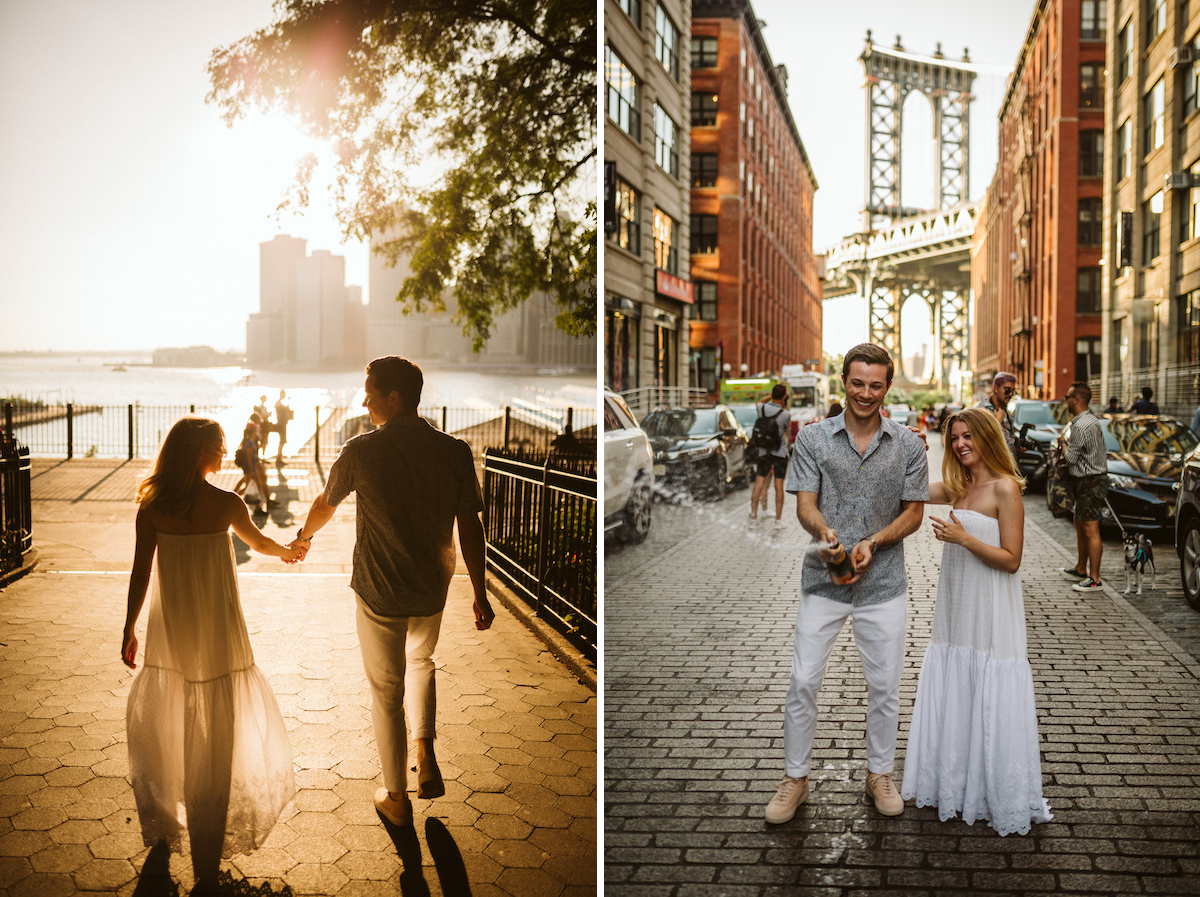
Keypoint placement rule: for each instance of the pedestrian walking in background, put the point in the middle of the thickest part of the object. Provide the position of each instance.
(973, 745)
(1114, 406)
(1145, 403)
(208, 748)
(253, 473)
(771, 436)
(283, 415)
(1087, 468)
(264, 421)
(413, 484)
(860, 481)
(1004, 385)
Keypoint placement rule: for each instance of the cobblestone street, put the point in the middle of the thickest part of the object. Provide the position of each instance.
(698, 636)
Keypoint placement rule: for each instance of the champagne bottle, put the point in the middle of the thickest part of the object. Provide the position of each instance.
(841, 570)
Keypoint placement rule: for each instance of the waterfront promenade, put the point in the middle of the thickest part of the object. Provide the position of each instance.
(698, 647)
(517, 734)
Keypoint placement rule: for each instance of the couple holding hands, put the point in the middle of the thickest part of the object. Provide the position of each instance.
(208, 749)
(862, 480)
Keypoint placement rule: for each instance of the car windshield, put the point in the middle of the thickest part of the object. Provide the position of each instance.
(745, 415)
(1147, 436)
(1039, 414)
(678, 422)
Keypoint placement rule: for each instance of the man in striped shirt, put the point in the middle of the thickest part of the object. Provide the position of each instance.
(1087, 465)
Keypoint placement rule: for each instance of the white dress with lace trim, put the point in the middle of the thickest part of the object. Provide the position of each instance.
(208, 749)
(973, 745)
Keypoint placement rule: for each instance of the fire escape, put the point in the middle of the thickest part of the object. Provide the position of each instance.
(1019, 353)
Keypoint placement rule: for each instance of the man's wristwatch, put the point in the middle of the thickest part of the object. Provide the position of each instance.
(874, 547)
(300, 536)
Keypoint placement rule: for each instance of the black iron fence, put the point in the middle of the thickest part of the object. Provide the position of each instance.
(16, 507)
(136, 431)
(540, 519)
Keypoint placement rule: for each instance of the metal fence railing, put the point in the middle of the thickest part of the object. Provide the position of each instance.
(1176, 388)
(16, 506)
(136, 431)
(539, 517)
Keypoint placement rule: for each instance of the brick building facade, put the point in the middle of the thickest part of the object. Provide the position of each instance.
(1036, 268)
(755, 277)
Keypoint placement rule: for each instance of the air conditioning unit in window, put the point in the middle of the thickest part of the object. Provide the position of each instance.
(1179, 180)
(1182, 55)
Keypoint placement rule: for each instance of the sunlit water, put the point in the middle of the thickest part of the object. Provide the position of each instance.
(230, 393)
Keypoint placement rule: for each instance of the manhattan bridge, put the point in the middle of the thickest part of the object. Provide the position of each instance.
(904, 253)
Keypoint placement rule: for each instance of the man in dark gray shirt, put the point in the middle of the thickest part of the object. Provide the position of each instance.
(861, 481)
(413, 484)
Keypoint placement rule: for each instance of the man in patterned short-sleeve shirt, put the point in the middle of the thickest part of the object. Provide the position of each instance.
(861, 481)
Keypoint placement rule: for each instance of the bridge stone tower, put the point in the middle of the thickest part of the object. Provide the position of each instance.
(887, 283)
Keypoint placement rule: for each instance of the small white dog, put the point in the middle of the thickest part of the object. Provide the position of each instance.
(1139, 554)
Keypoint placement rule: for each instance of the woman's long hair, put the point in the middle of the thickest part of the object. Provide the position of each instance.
(176, 478)
(989, 441)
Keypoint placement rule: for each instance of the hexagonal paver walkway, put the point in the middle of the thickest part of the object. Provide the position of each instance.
(517, 734)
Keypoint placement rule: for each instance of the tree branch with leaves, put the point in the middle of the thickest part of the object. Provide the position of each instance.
(501, 93)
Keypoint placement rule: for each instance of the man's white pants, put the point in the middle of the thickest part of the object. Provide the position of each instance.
(398, 657)
(879, 635)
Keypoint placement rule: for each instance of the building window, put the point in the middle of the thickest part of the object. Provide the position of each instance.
(628, 234)
(1091, 19)
(1144, 337)
(1087, 291)
(666, 142)
(621, 347)
(1124, 53)
(1193, 213)
(704, 169)
(1152, 117)
(622, 94)
(633, 9)
(666, 242)
(706, 299)
(1091, 86)
(704, 109)
(1156, 21)
(1090, 213)
(704, 52)
(1087, 358)
(1191, 79)
(1124, 150)
(1151, 217)
(666, 42)
(706, 369)
(1118, 346)
(704, 234)
(665, 353)
(1188, 348)
(1091, 153)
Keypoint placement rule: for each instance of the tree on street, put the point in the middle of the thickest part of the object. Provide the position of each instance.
(499, 94)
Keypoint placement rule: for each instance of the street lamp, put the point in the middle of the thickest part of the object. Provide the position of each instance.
(745, 368)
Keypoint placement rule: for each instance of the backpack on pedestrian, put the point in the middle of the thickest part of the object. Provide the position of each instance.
(766, 436)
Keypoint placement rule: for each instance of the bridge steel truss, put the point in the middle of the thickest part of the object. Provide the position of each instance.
(926, 257)
(905, 253)
(891, 74)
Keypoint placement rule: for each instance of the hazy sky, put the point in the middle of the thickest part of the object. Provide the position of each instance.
(131, 214)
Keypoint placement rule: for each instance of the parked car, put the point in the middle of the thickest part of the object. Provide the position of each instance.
(1146, 455)
(701, 451)
(628, 472)
(1187, 528)
(1037, 426)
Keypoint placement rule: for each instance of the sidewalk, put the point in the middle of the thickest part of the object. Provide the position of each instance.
(517, 736)
(697, 660)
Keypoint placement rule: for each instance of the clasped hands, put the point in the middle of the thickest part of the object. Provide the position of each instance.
(300, 545)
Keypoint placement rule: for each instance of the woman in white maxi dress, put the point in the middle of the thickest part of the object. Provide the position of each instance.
(208, 749)
(973, 744)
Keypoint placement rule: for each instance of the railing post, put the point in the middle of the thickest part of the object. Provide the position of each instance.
(70, 431)
(191, 409)
(444, 409)
(507, 425)
(570, 418)
(130, 432)
(8, 424)
(542, 539)
(317, 438)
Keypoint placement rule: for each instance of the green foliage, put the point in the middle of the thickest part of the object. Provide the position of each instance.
(502, 91)
(923, 397)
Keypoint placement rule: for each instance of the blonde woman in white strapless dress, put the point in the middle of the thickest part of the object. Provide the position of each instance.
(208, 750)
(973, 745)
